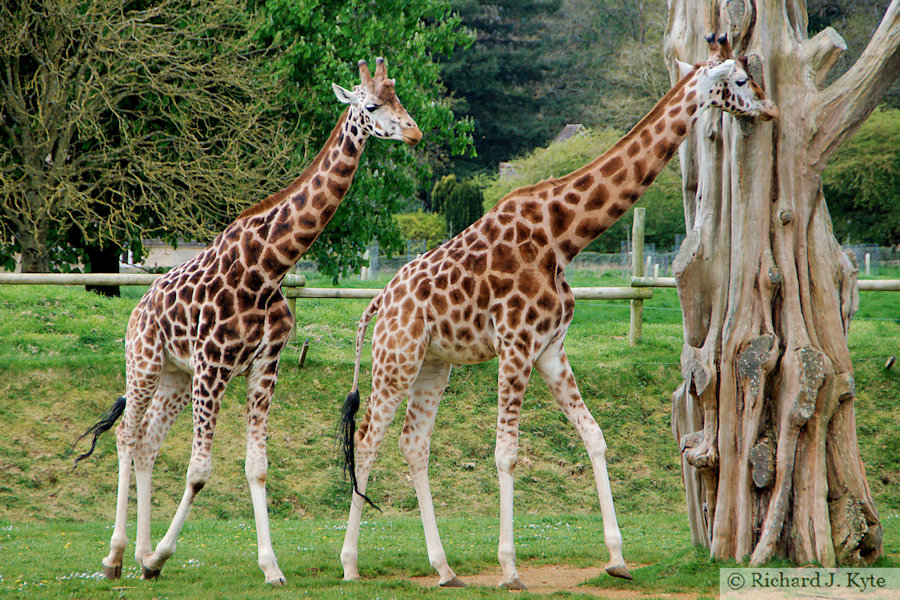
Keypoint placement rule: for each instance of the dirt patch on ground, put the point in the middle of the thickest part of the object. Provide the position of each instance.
(548, 579)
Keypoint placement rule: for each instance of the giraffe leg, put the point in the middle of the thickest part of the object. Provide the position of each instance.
(207, 388)
(112, 563)
(172, 395)
(391, 382)
(424, 399)
(260, 388)
(557, 373)
(140, 387)
(512, 381)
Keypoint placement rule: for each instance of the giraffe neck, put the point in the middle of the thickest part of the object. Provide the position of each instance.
(282, 227)
(589, 200)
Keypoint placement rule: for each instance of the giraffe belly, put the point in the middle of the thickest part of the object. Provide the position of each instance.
(457, 352)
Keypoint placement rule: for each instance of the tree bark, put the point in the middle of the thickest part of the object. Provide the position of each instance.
(35, 256)
(103, 259)
(765, 413)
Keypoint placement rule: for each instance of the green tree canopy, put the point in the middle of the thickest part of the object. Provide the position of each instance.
(862, 182)
(321, 41)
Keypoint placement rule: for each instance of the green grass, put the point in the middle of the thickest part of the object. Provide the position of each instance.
(61, 366)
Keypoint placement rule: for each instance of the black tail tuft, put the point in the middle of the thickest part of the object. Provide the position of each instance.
(104, 424)
(346, 435)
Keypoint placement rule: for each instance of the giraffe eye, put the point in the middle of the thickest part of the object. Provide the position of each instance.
(371, 107)
(741, 82)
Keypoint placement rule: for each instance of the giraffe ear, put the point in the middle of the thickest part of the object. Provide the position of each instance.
(684, 68)
(345, 96)
(722, 71)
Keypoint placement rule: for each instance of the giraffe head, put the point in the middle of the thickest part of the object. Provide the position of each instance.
(379, 109)
(724, 81)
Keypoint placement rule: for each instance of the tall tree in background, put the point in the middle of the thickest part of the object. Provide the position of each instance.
(765, 415)
(122, 120)
(507, 80)
(168, 117)
(319, 41)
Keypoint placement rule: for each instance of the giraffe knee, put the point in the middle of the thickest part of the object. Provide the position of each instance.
(197, 477)
(256, 470)
(505, 459)
(596, 445)
(415, 450)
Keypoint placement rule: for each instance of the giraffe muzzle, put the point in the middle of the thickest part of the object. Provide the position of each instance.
(412, 136)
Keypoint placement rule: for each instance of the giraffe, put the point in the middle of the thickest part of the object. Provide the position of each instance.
(498, 290)
(222, 314)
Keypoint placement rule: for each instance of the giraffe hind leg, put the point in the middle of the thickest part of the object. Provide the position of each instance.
(172, 395)
(127, 437)
(389, 387)
(206, 406)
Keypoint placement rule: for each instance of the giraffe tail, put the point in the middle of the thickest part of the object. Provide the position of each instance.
(351, 404)
(371, 311)
(103, 425)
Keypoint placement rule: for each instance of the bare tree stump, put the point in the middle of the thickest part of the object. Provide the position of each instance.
(765, 414)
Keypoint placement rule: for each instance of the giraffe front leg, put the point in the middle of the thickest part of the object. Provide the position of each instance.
(422, 407)
(260, 388)
(557, 374)
(512, 381)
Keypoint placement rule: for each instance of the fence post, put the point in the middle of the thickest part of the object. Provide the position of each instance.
(292, 280)
(637, 270)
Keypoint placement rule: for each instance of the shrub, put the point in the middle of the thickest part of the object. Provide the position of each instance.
(461, 202)
(862, 182)
(421, 225)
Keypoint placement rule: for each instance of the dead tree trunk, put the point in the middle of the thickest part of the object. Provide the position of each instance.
(765, 414)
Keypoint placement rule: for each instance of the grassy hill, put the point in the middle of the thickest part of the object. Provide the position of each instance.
(61, 366)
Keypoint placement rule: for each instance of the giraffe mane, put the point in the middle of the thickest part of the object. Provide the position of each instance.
(552, 182)
(280, 195)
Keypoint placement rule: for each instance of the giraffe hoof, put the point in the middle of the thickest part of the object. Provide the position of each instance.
(619, 571)
(515, 585)
(114, 572)
(454, 582)
(277, 582)
(147, 573)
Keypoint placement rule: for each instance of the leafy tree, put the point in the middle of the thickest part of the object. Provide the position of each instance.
(539, 64)
(320, 41)
(121, 120)
(421, 225)
(463, 206)
(665, 214)
(862, 182)
(168, 117)
(461, 202)
(441, 191)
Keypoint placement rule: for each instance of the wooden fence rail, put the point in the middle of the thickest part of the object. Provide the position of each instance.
(294, 286)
